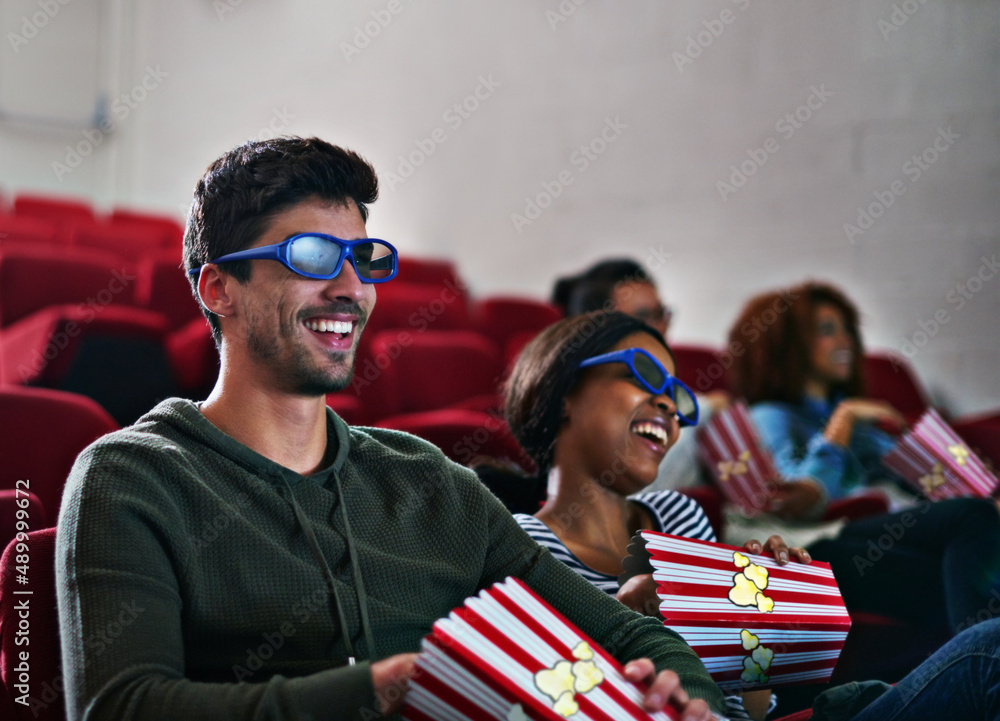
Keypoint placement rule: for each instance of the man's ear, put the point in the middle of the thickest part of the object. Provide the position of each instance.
(214, 290)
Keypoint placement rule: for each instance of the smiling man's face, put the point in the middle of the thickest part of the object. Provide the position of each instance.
(301, 333)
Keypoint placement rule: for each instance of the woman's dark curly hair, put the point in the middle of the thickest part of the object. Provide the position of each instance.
(547, 371)
(777, 330)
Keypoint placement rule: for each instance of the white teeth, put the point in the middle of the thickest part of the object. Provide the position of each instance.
(330, 326)
(842, 356)
(651, 429)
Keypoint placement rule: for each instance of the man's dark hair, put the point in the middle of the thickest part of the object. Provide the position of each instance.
(592, 289)
(241, 192)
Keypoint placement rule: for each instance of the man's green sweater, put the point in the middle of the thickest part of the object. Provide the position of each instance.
(188, 589)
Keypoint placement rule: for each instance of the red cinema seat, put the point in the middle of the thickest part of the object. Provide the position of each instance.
(503, 318)
(372, 393)
(418, 307)
(162, 286)
(515, 344)
(436, 369)
(35, 278)
(132, 242)
(193, 358)
(462, 435)
(115, 355)
(889, 377)
(430, 271)
(20, 511)
(345, 406)
(982, 433)
(169, 230)
(43, 432)
(46, 701)
(58, 209)
(26, 229)
(700, 368)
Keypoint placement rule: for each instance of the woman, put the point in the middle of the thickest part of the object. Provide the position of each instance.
(594, 402)
(597, 434)
(935, 565)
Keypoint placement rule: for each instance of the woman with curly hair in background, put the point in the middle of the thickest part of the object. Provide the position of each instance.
(802, 374)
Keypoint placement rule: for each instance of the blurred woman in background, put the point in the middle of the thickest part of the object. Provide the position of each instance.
(936, 565)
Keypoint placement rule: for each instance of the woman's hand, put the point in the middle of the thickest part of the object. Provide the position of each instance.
(665, 688)
(639, 594)
(781, 551)
(850, 410)
(794, 500)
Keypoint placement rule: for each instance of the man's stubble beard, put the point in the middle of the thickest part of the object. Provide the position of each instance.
(302, 377)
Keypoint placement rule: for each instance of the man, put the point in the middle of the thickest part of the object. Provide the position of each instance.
(617, 284)
(257, 557)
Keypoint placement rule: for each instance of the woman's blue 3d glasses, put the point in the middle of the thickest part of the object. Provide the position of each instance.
(319, 256)
(654, 378)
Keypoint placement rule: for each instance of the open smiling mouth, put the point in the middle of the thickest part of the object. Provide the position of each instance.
(337, 335)
(340, 327)
(652, 432)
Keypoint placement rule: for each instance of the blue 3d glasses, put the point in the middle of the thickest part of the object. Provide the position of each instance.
(318, 256)
(654, 378)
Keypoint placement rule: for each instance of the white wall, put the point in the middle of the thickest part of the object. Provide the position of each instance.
(233, 69)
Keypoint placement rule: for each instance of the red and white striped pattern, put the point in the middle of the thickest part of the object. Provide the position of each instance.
(730, 446)
(936, 461)
(480, 663)
(805, 630)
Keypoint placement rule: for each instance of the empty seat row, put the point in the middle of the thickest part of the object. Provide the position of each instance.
(48, 219)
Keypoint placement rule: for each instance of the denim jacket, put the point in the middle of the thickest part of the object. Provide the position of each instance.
(794, 435)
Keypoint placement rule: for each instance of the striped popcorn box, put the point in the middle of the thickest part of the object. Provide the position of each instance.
(753, 623)
(507, 655)
(730, 447)
(932, 458)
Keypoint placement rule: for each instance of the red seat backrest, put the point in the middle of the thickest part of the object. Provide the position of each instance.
(890, 377)
(418, 307)
(45, 687)
(435, 369)
(699, 367)
(130, 241)
(31, 279)
(70, 210)
(18, 506)
(430, 271)
(501, 318)
(26, 229)
(162, 285)
(462, 434)
(44, 431)
(170, 230)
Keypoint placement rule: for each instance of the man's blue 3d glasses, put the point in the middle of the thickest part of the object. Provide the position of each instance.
(319, 256)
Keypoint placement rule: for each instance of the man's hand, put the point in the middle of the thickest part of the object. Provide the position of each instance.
(391, 678)
(639, 594)
(781, 551)
(665, 689)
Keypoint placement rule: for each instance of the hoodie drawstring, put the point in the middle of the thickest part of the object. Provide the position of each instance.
(359, 584)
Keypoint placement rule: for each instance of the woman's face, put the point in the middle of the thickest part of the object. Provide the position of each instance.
(615, 430)
(832, 357)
